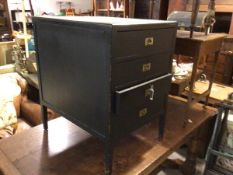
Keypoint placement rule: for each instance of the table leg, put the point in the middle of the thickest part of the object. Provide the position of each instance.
(212, 76)
(161, 126)
(108, 153)
(191, 87)
(44, 117)
(162, 119)
(189, 166)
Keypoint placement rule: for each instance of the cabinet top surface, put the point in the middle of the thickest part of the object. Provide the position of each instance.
(115, 21)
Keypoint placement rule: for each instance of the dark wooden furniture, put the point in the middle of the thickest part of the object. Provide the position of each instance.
(110, 76)
(227, 52)
(67, 149)
(198, 47)
(5, 26)
(151, 9)
(224, 69)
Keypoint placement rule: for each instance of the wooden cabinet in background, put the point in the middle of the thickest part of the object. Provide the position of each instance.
(115, 8)
(152, 9)
(224, 70)
(148, 9)
(5, 26)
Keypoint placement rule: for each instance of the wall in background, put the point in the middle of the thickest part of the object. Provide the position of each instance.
(51, 6)
(177, 5)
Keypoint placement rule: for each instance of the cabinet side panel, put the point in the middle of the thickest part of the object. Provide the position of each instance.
(73, 72)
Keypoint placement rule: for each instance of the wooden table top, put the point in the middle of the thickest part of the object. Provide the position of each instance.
(67, 149)
(219, 92)
(198, 46)
(199, 36)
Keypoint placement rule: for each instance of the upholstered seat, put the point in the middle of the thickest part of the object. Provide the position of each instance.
(19, 112)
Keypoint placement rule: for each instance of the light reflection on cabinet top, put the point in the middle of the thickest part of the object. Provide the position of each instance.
(115, 21)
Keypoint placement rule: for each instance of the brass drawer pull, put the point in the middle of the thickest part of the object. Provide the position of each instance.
(150, 93)
(146, 67)
(143, 112)
(149, 41)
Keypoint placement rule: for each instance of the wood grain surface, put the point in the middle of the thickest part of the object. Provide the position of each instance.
(67, 149)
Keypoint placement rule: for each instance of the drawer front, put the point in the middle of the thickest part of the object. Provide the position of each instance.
(141, 68)
(143, 100)
(139, 43)
(135, 106)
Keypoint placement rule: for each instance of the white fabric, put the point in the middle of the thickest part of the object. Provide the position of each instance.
(9, 89)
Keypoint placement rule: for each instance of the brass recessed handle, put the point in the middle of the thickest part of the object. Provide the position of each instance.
(146, 67)
(143, 112)
(149, 41)
(150, 92)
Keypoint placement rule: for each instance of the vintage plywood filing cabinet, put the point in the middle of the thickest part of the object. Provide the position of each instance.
(108, 75)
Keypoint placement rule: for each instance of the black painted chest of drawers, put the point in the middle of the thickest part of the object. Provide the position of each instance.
(109, 76)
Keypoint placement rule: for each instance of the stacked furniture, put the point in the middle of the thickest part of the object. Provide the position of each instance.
(198, 47)
(110, 76)
(5, 26)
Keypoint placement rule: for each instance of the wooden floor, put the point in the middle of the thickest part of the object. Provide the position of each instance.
(68, 150)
